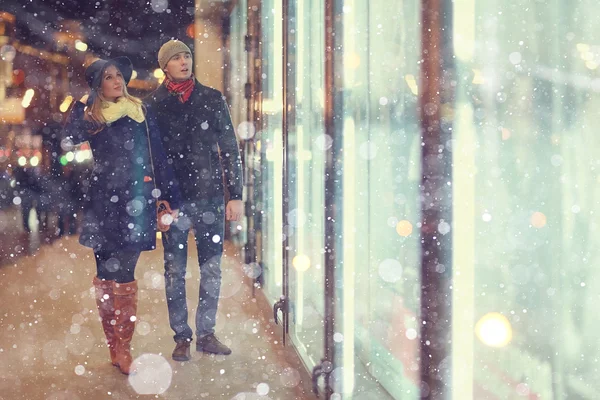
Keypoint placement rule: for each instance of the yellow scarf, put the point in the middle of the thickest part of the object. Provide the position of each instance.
(122, 108)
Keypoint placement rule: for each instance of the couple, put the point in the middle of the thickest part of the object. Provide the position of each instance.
(175, 147)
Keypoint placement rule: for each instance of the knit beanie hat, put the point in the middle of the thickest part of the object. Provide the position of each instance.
(169, 49)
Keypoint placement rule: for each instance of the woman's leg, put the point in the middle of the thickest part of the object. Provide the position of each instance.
(105, 302)
(118, 267)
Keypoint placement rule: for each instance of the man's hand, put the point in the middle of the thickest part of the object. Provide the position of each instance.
(234, 210)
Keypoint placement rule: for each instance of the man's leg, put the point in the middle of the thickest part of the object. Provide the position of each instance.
(175, 247)
(209, 231)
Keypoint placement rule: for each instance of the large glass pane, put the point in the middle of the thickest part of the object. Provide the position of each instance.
(270, 146)
(307, 186)
(526, 179)
(378, 322)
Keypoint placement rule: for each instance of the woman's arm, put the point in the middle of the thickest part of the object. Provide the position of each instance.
(76, 128)
(163, 172)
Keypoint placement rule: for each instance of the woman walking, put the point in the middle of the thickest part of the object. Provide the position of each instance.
(119, 219)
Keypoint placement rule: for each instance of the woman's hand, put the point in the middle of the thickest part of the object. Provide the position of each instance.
(234, 210)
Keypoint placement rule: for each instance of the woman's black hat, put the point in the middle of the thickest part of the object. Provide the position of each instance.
(93, 73)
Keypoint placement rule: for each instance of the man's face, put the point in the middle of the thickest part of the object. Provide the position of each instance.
(179, 67)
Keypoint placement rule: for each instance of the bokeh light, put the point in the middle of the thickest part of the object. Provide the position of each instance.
(301, 262)
(262, 389)
(159, 6)
(390, 270)
(190, 31)
(153, 374)
(494, 329)
(81, 46)
(26, 102)
(538, 219)
(404, 228)
(246, 130)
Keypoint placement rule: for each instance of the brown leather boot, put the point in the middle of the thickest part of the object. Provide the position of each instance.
(106, 309)
(125, 316)
(182, 350)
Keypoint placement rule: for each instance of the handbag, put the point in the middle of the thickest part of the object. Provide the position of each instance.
(163, 215)
(163, 208)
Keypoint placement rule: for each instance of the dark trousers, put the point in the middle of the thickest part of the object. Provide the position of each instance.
(118, 266)
(206, 219)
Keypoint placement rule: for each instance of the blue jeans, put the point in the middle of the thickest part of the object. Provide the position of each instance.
(207, 220)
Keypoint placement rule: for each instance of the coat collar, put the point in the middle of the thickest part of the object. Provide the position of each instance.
(162, 93)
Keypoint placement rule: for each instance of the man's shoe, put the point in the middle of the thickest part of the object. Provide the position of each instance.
(210, 344)
(182, 351)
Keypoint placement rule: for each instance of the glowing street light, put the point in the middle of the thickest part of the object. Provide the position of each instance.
(64, 106)
(81, 46)
(26, 102)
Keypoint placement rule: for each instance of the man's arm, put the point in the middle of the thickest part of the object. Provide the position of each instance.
(230, 154)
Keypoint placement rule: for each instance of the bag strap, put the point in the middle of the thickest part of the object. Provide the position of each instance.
(150, 153)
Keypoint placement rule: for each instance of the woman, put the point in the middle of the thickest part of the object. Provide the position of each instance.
(120, 204)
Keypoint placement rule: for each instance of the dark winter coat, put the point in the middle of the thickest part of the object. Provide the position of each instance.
(200, 141)
(119, 208)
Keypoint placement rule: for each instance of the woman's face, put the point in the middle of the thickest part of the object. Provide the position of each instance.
(112, 83)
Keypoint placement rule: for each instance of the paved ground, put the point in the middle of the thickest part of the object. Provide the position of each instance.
(51, 342)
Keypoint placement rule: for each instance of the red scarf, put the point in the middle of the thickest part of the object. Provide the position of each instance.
(181, 89)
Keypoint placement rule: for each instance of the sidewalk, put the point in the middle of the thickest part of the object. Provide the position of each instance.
(51, 342)
(14, 242)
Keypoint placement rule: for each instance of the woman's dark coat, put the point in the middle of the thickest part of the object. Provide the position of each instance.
(119, 207)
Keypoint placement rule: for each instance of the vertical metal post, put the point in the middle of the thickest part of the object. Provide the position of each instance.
(333, 172)
(225, 36)
(286, 152)
(436, 111)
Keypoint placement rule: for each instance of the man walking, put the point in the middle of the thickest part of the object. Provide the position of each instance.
(200, 141)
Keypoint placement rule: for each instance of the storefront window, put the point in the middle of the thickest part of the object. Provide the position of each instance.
(526, 200)
(378, 344)
(270, 145)
(306, 216)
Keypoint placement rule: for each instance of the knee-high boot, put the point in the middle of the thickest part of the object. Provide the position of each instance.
(106, 309)
(125, 295)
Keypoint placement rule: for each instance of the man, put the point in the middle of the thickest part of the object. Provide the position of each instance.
(200, 141)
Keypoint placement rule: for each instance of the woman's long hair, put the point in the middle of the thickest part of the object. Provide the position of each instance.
(93, 113)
